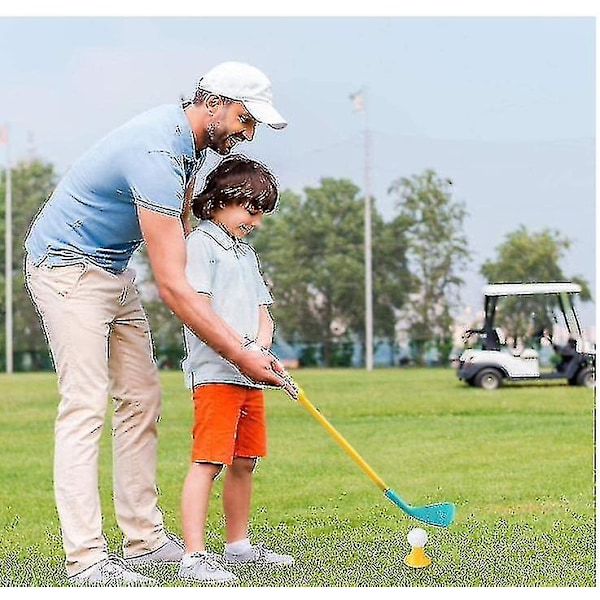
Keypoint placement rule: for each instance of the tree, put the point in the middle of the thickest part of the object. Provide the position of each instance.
(437, 253)
(32, 182)
(312, 252)
(527, 257)
(391, 278)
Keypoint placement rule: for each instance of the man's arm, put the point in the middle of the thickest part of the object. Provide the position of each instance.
(164, 237)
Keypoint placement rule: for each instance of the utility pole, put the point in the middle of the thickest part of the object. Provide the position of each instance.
(8, 274)
(368, 253)
(360, 104)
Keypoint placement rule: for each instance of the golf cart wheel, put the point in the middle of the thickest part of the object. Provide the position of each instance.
(586, 377)
(488, 379)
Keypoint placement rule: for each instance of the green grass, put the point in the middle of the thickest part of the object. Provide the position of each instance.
(518, 463)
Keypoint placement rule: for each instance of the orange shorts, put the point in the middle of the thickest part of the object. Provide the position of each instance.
(229, 422)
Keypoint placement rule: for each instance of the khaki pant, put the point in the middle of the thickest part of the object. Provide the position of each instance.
(100, 342)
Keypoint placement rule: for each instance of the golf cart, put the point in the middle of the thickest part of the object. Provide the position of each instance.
(495, 361)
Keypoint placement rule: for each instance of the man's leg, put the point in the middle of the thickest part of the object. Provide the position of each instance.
(75, 314)
(135, 387)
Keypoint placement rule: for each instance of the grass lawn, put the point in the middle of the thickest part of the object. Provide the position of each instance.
(518, 463)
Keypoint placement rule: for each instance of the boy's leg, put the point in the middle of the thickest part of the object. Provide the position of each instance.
(216, 413)
(195, 500)
(197, 564)
(135, 387)
(237, 497)
(212, 447)
(251, 444)
(75, 313)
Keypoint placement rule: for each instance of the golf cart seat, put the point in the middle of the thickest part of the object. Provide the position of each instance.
(492, 340)
(566, 353)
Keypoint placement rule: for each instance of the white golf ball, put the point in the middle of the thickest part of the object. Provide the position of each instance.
(417, 537)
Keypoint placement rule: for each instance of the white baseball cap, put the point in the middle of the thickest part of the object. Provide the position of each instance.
(246, 84)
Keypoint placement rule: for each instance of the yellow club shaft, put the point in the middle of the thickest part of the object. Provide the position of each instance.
(341, 441)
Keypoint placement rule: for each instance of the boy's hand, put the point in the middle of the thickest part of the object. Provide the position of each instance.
(289, 386)
(284, 380)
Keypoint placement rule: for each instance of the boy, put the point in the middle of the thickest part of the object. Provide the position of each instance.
(229, 424)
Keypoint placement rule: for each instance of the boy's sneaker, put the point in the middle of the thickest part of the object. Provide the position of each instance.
(169, 553)
(260, 555)
(111, 571)
(204, 567)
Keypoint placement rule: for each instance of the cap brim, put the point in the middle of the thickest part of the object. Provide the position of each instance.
(264, 112)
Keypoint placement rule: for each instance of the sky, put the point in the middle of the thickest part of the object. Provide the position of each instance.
(502, 103)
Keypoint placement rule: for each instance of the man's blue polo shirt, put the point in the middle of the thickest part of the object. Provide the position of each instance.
(92, 214)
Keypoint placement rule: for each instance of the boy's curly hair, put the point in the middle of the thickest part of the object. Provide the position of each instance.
(240, 181)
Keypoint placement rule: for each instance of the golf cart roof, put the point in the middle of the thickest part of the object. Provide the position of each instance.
(529, 289)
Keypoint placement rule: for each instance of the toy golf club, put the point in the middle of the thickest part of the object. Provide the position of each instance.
(440, 514)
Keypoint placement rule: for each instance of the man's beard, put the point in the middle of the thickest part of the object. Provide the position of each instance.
(219, 143)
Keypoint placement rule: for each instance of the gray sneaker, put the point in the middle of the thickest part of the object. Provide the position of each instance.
(260, 555)
(169, 553)
(204, 567)
(111, 571)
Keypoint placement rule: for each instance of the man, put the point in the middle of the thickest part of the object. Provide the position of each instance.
(133, 186)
